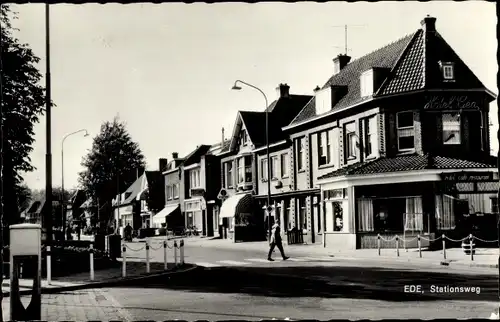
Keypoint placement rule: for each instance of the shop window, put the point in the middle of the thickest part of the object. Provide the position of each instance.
(301, 205)
(389, 214)
(451, 128)
(494, 205)
(405, 131)
(245, 169)
(445, 212)
(414, 217)
(365, 215)
(334, 215)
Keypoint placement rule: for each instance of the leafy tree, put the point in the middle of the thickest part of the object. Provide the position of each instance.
(24, 196)
(110, 166)
(22, 101)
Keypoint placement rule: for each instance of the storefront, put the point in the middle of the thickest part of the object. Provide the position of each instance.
(193, 209)
(359, 208)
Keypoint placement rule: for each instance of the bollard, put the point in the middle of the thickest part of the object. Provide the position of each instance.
(397, 245)
(419, 246)
(378, 244)
(124, 261)
(444, 246)
(165, 264)
(148, 268)
(49, 266)
(182, 251)
(91, 251)
(471, 247)
(175, 252)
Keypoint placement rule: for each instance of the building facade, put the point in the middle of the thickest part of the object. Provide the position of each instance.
(398, 142)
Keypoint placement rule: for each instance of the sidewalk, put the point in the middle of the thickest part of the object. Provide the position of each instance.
(109, 276)
(484, 257)
(85, 305)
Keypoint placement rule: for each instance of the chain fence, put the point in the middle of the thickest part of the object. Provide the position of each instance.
(467, 243)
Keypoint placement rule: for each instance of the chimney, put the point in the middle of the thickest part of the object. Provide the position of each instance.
(340, 62)
(162, 165)
(317, 89)
(222, 142)
(175, 155)
(283, 91)
(428, 24)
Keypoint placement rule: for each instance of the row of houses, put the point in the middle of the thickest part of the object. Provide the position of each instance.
(395, 142)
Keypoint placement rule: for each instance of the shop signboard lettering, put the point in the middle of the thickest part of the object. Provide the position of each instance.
(461, 102)
(467, 176)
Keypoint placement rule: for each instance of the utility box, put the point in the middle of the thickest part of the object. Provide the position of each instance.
(25, 240)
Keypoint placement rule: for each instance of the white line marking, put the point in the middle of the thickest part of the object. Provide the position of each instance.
(228, 262)
(319, 258)
(259, 260)
(207, 265)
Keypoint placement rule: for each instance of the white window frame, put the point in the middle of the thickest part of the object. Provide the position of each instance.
(228, 175)
(350, 141)
(284, 165)
(244, 138)
(324, 148)
(263, 169)
(241, 168)
(457, 128)
(405, 128)
(370, 136)
(274, 167)
(366, 83)
(448, 70)
(301, 157)
(194, 177)
(169, 193)
(175, 191)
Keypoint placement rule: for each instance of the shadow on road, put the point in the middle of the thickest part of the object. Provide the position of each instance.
(372, 283)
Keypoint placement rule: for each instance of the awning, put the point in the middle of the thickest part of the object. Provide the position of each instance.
(160, 217)
(235, 204)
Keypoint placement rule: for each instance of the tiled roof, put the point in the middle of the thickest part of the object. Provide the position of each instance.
(407, 163)
(385, 57)
(194, 156)
(414, 64)
(281, 113)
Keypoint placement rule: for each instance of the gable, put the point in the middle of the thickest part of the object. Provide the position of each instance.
(240, 127)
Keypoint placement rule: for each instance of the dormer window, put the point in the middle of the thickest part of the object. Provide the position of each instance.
(448, 71)
(366, 83)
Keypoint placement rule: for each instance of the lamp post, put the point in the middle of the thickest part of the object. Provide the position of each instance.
(63, 214)
(48, 155)
(268, 208)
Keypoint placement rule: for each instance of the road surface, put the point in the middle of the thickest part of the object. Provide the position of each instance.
(310, 291)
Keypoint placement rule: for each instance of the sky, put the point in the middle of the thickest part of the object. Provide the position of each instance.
(167, 69)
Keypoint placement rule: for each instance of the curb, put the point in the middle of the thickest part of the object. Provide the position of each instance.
(407, 260)
(119, 282)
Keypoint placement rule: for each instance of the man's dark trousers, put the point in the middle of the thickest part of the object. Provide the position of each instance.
(280, 247)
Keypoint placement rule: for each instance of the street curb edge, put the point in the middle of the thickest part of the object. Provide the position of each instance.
(60, 289)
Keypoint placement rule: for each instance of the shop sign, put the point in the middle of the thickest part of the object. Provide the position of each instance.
(467, 176)
(461, 102)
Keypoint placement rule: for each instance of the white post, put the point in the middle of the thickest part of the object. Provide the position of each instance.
(124, 261)
(378, 244)
(165, 263)
(419, 246)
(471, 247)
(175, 252)
(147, 256)
(397, 245)
(49, 266)
(444, 246)
(182, 251)
(91, 262)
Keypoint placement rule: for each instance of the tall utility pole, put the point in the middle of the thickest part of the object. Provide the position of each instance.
(48, 156)
(345, 33)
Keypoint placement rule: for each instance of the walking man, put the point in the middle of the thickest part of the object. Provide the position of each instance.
(276, 242)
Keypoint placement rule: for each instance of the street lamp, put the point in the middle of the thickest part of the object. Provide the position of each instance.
(63, 215)
(268, 208)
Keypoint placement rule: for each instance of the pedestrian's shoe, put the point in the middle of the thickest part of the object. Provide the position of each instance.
(285, 258)
(270, 259)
